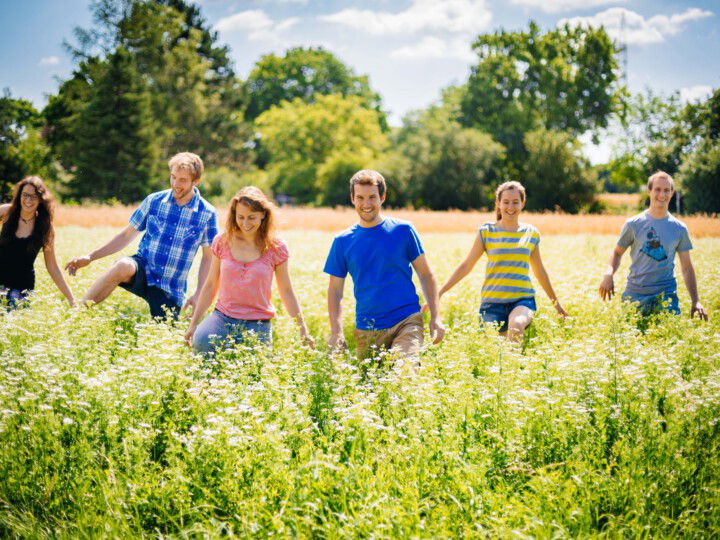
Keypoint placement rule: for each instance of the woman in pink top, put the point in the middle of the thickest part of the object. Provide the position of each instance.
(245, 257)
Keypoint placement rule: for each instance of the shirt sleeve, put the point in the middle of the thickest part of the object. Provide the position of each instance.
(627, 236)
(684, 244)
(280, 254)
(335, 265)
(413, 247)
(138, 219)
(218, 246)
(210, 231)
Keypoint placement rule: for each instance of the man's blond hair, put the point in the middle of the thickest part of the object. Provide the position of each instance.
(189, 162)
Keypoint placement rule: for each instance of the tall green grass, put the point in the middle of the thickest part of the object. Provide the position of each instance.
(109, 426)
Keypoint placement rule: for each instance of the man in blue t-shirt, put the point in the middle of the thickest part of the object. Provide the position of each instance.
(654, 237)
(379, 253)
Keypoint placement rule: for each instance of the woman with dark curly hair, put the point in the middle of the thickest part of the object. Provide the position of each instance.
(26, 229)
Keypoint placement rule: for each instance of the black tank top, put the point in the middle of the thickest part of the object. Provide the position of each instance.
(16, 264)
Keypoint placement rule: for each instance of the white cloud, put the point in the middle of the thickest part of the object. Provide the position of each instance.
(256, 23)
(638, 30)
(434, 47)
(555, 6)
(456, 16)
(49, 61)
(699, 92)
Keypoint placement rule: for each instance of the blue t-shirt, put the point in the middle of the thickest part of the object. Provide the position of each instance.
(653, 244)
(378, 259)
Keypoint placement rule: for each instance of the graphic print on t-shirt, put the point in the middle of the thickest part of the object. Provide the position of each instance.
(652, 247)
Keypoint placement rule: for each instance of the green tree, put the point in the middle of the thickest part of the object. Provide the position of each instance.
(305, 73)
(197, 102)
(22, 150)
(555, 174)
(699, 177)
(445, 165)
(117, 157)
(565, 79)
(308, 142)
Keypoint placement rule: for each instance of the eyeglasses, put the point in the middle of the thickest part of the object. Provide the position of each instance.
(29, 196)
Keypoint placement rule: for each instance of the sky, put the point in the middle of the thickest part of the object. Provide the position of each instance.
(410, 49)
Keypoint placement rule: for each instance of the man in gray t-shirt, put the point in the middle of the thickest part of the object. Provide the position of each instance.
(653, 238)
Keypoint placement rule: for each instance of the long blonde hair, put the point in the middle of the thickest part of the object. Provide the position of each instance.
(256, 200)
(503, 188)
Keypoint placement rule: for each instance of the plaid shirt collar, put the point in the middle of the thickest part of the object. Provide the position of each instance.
(193, 204)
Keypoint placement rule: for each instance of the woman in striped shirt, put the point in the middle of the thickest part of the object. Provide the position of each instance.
(508, 297)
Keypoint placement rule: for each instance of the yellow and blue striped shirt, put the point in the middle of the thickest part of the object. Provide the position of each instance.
(507, 275)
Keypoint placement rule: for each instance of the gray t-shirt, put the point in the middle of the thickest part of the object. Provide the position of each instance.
(653, 243)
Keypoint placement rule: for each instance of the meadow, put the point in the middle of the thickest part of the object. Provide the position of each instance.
(603, 425)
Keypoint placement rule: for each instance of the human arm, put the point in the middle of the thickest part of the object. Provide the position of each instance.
(688, 272)
(119, 241)
(429, 287)
(203, 272)
(465, 267)
(541, 274)
(205, 298)
(4, 211)
(607, 285)
(289, 300)
(334, 298)
(55, 272)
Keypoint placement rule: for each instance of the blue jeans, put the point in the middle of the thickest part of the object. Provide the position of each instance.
(220, 331)
(499, 312)
(15, 298)
(157, 299)
(650, 304)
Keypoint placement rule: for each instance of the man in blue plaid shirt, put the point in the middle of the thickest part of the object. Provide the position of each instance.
(176, 222)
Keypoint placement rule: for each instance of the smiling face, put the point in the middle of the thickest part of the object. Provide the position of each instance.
(182, 184)
(368, 201)
(660, 193)
(248, 220)
(29, 199)
(511, 204)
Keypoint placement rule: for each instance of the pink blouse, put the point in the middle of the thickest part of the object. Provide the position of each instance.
(245, 287)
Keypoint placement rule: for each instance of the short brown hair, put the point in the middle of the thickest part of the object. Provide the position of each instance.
(257, 201)
(189, 162)
(660, 174)
(367, 177)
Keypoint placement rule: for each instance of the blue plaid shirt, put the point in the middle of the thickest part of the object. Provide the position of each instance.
(173, 235)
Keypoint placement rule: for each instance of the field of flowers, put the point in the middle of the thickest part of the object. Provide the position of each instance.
(603, 424)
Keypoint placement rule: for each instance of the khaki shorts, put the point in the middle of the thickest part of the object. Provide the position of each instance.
(406, 337)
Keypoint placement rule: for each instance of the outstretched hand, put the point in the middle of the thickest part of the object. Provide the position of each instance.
(78, 262)
(336, 341)
(190, 303)
(561, 310)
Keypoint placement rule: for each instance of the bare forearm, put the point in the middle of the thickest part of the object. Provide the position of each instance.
(429, 287)
(205, 298)
(57, 276)
(691, 283)
(203, 272)
(460, 272)
(119, 242)
(335, 312)
(613, 264)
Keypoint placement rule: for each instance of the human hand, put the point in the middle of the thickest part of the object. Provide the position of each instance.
(700, 310)
(188, 337)
(437, 331)
(307, 338)
(336, 341)
(191, 302)
(607, 287)
(425, 308)
(78, 262)
(561, 310)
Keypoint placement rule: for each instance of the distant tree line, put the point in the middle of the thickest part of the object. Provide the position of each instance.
(151, 79)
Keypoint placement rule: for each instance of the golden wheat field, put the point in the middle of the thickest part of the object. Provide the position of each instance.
(426, 221)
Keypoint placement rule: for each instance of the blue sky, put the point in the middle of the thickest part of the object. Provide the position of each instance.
(410, 49)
